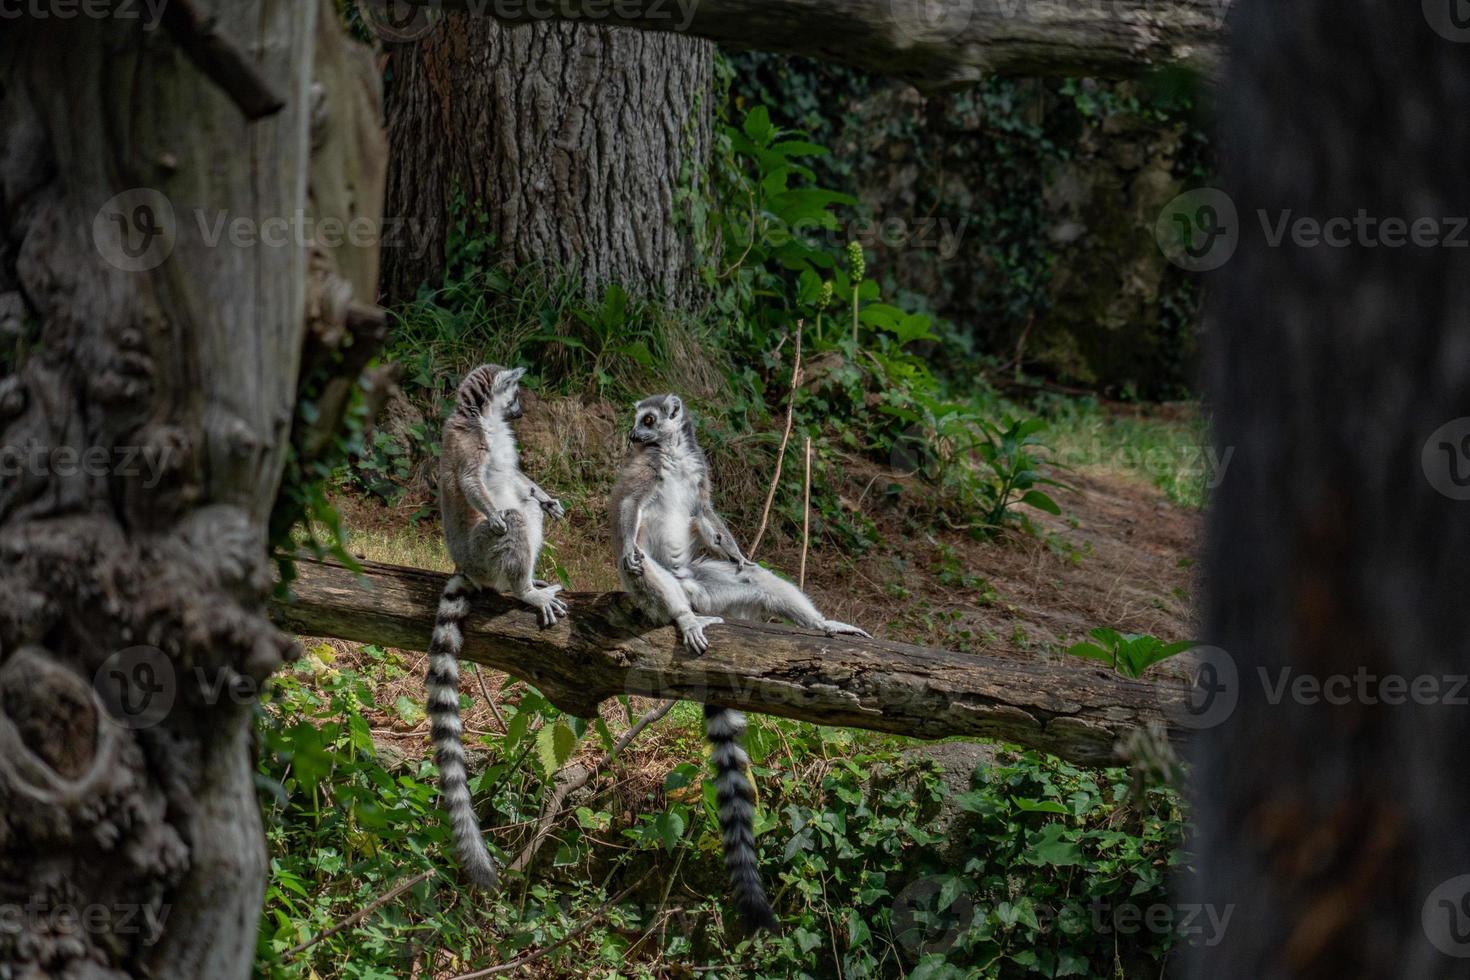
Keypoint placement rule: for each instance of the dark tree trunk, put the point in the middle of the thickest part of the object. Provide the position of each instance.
(146, 409)
(1338, 542)
(577, 140)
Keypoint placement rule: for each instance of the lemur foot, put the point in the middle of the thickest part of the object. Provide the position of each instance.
(545, 602)
(691, 629)
(833, 628)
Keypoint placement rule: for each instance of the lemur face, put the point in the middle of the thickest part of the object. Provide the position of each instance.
(658, 419)
(493, 390)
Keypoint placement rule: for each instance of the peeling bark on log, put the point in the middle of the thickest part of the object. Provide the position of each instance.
(932, 43)
(603, 650)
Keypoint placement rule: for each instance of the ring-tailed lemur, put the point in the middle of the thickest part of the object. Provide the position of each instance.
(680, 562)
(492, 515)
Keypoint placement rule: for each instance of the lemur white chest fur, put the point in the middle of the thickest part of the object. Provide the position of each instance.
(501, 473)
(668, 518)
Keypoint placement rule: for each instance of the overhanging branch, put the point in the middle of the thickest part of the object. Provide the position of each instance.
(602, 650)
(932, 43)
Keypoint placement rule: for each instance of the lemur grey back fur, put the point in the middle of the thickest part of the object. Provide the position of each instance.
(492, 516)
(679, 561)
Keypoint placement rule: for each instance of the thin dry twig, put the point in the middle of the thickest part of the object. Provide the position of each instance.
(567, 787)
(535, 955)
(806, 514)
(785, 438)
(485, 690)
(360, 914)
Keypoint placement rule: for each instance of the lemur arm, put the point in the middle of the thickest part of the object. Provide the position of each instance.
(548, 503)
(473, 489)
(713, 530)
(630, 523)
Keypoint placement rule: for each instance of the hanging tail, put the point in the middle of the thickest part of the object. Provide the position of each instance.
(448, 733)
(736, 799)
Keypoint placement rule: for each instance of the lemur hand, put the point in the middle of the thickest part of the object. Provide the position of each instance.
(496, 521)
(633, 561)
(553, 507)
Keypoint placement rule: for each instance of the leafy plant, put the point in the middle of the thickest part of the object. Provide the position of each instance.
(1127, 653)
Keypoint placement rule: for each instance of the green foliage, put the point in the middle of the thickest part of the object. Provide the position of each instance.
(1127, 653)
(345, 825)
(876, 866)
(873, 391)
(982, 158)
(886, 872)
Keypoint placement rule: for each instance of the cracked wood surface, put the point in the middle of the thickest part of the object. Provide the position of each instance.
(1070, 709)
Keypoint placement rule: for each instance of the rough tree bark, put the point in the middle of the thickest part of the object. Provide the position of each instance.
(1341, 377)
(932, 43)
(146, 412)
(575, 139)
(604, 649)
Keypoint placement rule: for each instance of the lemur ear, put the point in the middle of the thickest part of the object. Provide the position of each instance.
(674, 406)
(506, 379)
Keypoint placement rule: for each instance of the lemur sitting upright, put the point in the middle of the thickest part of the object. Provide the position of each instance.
(680, 562)
(492, 515)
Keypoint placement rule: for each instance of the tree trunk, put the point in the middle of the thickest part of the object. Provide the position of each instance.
(578, 141)
(1334, 819)
(153, 347)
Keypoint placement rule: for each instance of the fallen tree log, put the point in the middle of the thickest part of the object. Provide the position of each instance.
(603, 649)
(932, 43)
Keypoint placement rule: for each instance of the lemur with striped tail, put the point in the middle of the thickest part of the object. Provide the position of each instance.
(492, 516)
(679, 561)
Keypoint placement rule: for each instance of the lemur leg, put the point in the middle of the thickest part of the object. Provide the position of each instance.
(506, 563)
(660, 588)
(717, 586)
